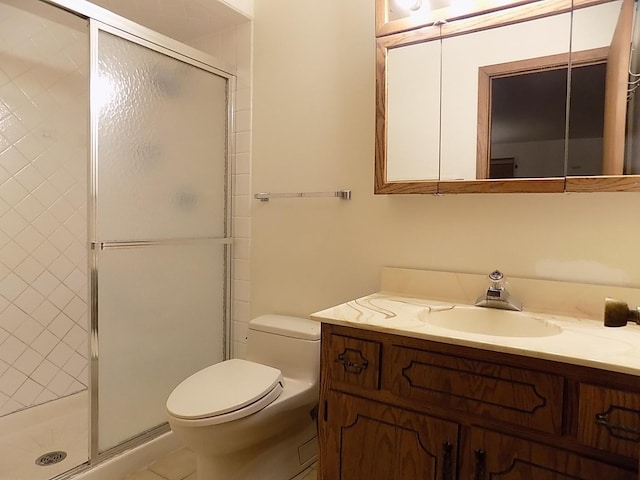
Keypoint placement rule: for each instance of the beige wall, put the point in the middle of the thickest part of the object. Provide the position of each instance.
(313, 130)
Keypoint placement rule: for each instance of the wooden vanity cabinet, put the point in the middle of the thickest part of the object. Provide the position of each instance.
(395, 407)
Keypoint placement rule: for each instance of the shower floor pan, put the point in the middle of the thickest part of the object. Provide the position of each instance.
(50, 428)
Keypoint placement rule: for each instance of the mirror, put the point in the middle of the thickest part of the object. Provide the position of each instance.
(633, 117)
(480, 131)
(613, 23)
(465, 60)
(526, 132)
(413, 134)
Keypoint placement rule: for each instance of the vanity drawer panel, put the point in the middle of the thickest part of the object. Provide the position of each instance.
(505, 457)
(497, 392)
(609, 419)
(353, 362)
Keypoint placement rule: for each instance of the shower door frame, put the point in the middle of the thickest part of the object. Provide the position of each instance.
(101, 19)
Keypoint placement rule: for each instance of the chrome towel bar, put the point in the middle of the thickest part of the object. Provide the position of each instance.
(265, 197)
(151, 243)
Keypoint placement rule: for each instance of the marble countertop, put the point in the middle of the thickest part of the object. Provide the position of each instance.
(580, 341)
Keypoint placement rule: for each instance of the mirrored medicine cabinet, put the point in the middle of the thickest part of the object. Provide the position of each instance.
(534, 96)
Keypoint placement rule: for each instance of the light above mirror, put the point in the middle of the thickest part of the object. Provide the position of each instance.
(409, 14)
(411, 5)
(398, 8)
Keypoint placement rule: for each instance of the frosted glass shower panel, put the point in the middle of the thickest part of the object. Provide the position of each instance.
(161, 145)
(160, 320)
(44, 359)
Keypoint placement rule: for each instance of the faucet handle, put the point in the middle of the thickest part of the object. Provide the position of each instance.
(618, 313)
(496, 279)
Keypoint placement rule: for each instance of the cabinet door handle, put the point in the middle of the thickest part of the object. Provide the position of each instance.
(480, 464)
(447, 462)
(357, 365)
(626, 433)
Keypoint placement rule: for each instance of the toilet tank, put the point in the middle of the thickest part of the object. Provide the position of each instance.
(290, 344)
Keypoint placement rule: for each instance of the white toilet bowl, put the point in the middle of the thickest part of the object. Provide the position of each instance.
(254, 418)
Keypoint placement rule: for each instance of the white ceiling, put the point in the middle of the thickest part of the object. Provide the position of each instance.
(183, 20)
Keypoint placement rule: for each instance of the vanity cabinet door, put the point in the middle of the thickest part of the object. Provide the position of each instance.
(497, 456)
(366, 440)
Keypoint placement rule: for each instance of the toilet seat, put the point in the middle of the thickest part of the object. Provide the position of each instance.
(225, 391)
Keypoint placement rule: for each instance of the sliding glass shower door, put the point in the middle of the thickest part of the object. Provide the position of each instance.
(160, 235)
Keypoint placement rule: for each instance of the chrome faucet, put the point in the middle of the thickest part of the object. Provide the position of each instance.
(497, 295)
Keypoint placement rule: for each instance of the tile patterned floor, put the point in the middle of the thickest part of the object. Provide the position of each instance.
(181, 465)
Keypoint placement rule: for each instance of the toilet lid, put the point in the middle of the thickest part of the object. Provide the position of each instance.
(223, 388)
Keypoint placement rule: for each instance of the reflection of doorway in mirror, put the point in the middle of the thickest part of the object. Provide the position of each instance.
(585, 147)
(502, 168)
(524, 116)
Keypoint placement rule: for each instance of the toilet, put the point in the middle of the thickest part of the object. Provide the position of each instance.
(254, 418)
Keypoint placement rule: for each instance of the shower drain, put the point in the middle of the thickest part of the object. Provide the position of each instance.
(51, 458)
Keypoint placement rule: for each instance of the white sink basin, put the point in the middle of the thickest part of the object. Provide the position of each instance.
(491, 321)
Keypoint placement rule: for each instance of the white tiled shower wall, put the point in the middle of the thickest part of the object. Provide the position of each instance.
(43, 181)
(233, 48)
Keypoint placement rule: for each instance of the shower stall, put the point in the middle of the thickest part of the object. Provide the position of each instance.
(114, 231)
